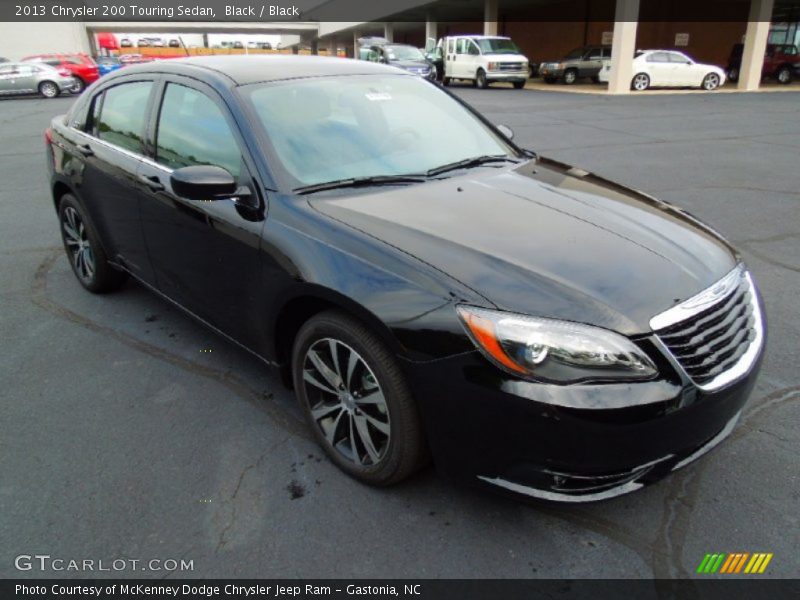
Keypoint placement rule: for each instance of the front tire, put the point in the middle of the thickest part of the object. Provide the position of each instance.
(784, 75)
(480, 79)
(570, 76)
(733, 74)
(518, 85)
(640, 82)
(86, 256)
(48, 89)
(356, 400)
(80, 85)
(711, 82)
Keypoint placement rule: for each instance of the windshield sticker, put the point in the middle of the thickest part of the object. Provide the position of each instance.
(378, 96)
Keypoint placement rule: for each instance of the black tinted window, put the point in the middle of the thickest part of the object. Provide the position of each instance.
(122, 116)
(192, 130)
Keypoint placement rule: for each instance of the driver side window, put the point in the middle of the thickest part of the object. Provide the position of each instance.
(192, 130)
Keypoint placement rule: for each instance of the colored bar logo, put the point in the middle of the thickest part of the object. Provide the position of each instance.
(737, 562)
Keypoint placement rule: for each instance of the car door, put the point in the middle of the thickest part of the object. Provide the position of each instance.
(24, 81)
(659, 68)
(461, 59)
(592, 63)
(205, 254)
(7, 73)
(109, 150)
(684, 70)
(449, 57)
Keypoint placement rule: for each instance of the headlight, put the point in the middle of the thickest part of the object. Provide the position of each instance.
(549, 349)
(492, 66)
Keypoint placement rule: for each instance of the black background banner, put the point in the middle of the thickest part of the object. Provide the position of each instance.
(733, 588)
(380, 10)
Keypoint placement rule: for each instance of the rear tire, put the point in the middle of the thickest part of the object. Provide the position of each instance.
(640, 82)
(356, 400)
(82, 245)
(48, 89)
(480, 79)
(784, 75)
(733, 74)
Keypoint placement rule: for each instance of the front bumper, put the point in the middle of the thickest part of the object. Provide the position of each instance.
(507, 75)
(572, 443)
(550, 72)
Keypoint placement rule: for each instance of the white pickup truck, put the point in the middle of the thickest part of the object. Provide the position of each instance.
(483, 59)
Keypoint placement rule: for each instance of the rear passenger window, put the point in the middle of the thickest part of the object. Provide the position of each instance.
(192, 130)
(122, 115)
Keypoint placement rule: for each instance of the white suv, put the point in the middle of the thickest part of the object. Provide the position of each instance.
(483, 59)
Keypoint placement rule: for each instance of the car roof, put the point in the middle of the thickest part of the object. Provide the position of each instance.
(244, 69)
(484, 37)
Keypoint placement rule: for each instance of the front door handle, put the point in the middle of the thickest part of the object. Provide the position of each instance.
(152, 182)
(85, 149)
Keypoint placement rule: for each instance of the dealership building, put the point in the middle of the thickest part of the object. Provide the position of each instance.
(543, 29)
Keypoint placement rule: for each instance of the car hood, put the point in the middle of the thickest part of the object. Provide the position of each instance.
(548, 240)
(505, 57)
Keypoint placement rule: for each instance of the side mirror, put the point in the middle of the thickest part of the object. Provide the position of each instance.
(506, 131)
(203, 182)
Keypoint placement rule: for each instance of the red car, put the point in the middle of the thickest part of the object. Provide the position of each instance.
(82, 66)
(781, 62)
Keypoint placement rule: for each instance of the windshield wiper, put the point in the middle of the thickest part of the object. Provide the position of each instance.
(470, 162)
(360, 181)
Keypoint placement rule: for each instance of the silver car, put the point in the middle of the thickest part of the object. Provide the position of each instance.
(27, 78)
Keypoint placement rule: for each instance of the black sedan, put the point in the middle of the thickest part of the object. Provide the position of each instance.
(428, 289)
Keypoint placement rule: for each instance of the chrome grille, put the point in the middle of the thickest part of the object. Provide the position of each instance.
(509, 66)
(714, 336)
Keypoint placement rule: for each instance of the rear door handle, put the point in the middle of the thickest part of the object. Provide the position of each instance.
(85, 149)
(153, 182)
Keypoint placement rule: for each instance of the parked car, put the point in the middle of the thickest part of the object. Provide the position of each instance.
(28, 78)
(781, 62)
(125, 43)
(3, 59)
(535, 328)
(585, 61)
(107, 64)
(174, 44)
(668, 68)
(134, 59)
(82, 66)
(605, 71)
(238, 45)
(403, 56)
(143, 43)
(483, 60)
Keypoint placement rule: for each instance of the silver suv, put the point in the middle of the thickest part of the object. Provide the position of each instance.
(581, 62)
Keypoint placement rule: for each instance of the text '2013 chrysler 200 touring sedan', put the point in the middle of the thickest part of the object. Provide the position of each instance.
(427, 288)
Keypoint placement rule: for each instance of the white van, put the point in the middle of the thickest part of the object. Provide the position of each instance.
(483, 59)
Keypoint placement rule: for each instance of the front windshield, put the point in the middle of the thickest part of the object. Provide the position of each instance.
(497, 46)
(332, 128)
(575, 54)
(404, 53)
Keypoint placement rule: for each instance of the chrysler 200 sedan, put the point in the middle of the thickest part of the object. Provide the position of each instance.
(427, 288)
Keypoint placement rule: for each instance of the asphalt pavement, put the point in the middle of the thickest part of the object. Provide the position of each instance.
(128, 431)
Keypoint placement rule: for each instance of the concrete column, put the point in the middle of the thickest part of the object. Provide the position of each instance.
(431, 29)
(755, 44)
(315, 47)
(333, 48)
(356, 35)
(388, 31)
(490, 17)
(623, 46)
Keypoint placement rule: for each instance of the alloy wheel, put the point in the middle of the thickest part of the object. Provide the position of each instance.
(78, 244)
(641, 82)
(784, 76)
(570, 77)
(48, 89)
(346, 402)
(711, 81)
